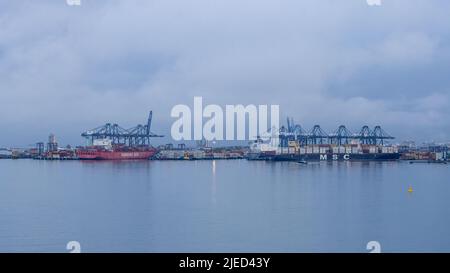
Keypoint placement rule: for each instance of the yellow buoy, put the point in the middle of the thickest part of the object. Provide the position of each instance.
(410, 189)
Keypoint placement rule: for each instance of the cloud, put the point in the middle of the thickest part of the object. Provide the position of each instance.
(65, 69)
(407, 48)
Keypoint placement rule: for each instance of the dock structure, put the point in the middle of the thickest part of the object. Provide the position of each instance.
(135, 136)
(168, 152)
(316, 136)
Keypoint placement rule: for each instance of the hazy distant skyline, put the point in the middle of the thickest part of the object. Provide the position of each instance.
(65, 69)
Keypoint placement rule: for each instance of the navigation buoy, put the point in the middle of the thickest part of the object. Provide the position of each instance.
(410, 189)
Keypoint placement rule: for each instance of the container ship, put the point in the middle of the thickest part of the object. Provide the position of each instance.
(339, 153)
(293, 150)
(292, 143)
(104, 150)
(112, 142)
(350, 152)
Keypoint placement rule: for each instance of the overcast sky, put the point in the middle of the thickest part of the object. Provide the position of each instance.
(65, 69)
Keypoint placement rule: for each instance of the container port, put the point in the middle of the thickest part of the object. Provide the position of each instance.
(288, 143)
(293, 143)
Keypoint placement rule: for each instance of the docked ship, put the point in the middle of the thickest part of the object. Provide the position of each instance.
(107, 151)
(112, 142)
(291, 143)
(5, 153)
(340, 153)
(351, 152)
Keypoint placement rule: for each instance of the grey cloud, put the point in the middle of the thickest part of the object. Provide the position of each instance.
(65, 69)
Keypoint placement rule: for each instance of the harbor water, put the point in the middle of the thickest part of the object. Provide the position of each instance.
(223, 206)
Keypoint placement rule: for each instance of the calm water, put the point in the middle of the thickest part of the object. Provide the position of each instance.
(223, 206)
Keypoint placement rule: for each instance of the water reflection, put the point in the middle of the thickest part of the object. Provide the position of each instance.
(224, 205)
(214, 186)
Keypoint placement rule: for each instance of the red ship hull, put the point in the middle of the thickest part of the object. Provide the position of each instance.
(96, 154)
